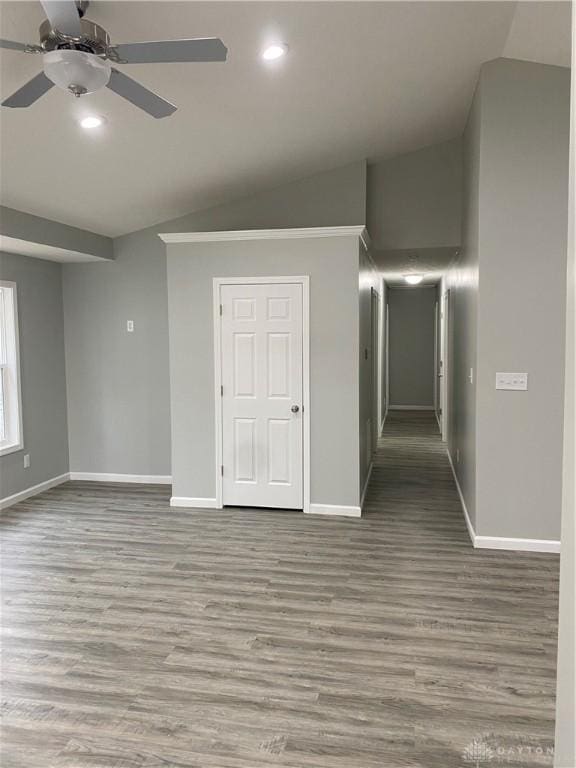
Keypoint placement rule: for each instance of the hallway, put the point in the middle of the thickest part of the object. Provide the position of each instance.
(139, 636)
(482, 622)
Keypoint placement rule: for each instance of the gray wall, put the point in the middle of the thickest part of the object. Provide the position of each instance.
(462, 283)
(523, 230)
(414, 199)
(368, 280)
(43, 376)
(508, 301)
(411, 313)
(118, 383)
(332, 264)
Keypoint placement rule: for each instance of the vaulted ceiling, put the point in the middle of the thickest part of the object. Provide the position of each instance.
(361, 80)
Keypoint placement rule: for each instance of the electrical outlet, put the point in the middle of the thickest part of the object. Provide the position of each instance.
(130, 326)
(26, 460)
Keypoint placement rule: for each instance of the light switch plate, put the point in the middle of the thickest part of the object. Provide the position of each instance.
(515, 381)
(130, 326)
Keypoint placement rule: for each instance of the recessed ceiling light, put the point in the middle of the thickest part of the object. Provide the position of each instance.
(275, 51)
(413, 279)
(92, 121)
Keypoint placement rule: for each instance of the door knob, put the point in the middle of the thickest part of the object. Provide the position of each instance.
(295, 409)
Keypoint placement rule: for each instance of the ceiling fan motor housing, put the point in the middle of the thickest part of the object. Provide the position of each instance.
(93, 38)
(76, 71)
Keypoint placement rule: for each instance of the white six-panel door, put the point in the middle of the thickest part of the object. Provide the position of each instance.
(262, 387)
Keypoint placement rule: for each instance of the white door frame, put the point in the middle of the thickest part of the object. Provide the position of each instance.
(387, 360)
(304, 281)
(445, 331)
(375, 361)
(437, 346)
(381, 361)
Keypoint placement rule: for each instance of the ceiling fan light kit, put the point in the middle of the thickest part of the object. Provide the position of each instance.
(76, 71)
(77, 55)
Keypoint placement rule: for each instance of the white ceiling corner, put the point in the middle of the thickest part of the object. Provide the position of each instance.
(540, 32)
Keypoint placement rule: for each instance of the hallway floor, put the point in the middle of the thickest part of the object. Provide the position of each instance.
(138, 636)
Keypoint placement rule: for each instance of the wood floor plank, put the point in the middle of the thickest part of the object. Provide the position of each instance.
(139, 636)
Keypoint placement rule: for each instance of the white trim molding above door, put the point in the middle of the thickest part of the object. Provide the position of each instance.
(219, 284)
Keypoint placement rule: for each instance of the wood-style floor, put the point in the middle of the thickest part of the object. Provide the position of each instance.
(137, 636)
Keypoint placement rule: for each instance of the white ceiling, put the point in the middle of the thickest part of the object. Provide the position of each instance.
(429, 262)
(362, 80)
(540, 31)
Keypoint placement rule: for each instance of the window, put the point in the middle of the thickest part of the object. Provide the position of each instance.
(10, 411)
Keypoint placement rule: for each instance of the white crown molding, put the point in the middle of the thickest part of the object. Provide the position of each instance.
(360, 231)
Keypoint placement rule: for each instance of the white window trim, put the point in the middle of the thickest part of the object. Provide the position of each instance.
(13, 350)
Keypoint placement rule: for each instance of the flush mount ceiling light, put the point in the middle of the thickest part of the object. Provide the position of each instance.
(413, 279)
(92, 121)
(275, 51)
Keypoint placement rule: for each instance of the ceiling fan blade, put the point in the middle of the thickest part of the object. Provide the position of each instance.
(165, 51)
(30, 92)
(14, 46)
(63, 16)
(140, 96)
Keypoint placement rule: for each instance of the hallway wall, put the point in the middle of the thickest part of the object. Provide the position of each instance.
(508, 294)
(462, 282)
(524, 210)
(411, 336)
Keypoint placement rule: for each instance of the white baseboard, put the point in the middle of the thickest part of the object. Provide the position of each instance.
(105, 477)
(8, 501)
(370, 468)
(193, 503)
(334, 509)
(518, 545)
(471, 531)
(411, 408)
(501, 542)
(383, 422)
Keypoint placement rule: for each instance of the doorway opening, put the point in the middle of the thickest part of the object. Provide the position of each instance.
(413, 359)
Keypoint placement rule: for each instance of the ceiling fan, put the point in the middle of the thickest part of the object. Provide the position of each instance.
(77, 56)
